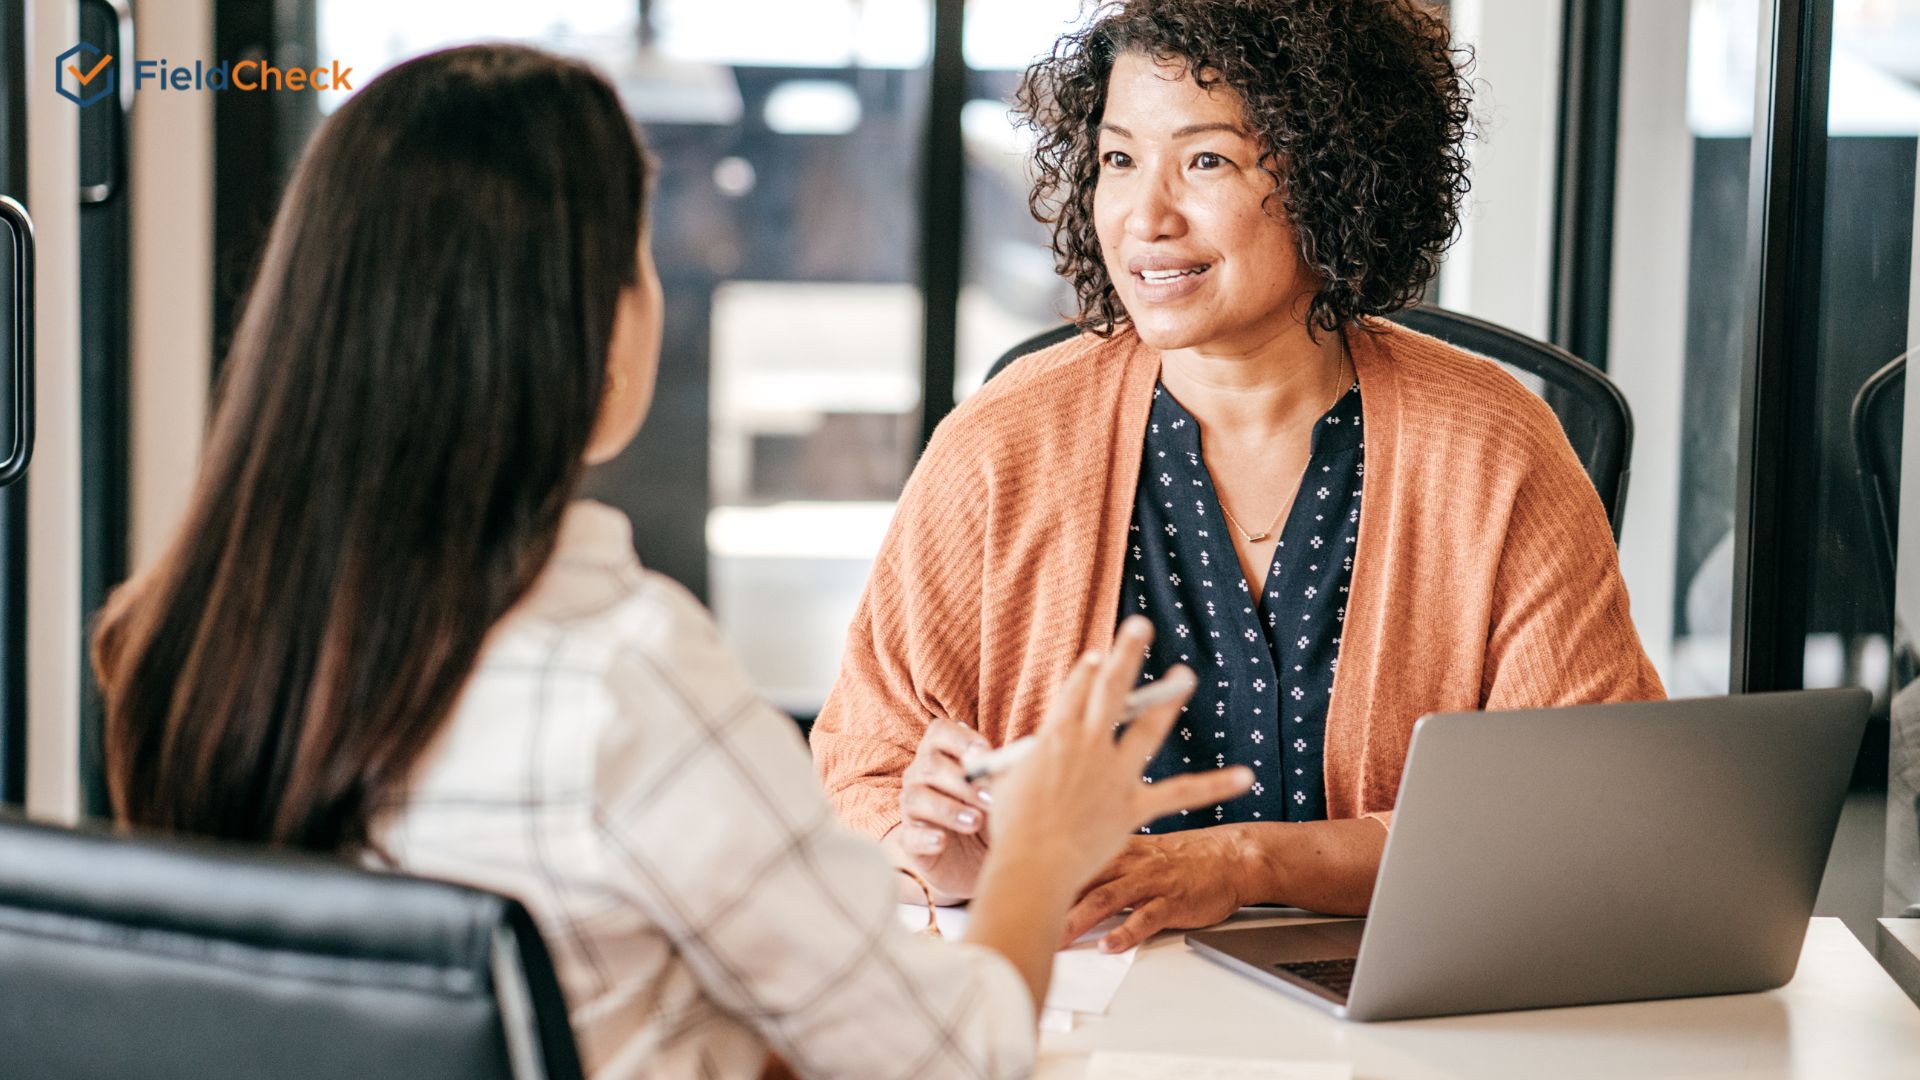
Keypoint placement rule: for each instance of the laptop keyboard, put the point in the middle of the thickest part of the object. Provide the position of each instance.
(1332, 975)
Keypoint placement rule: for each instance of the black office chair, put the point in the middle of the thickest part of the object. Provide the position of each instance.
(1877, 419)
(165, 960)
(1591, 409)
(1879, 410)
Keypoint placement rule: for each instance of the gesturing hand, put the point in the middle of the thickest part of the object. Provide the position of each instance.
(1067, 809)
(1079, 794)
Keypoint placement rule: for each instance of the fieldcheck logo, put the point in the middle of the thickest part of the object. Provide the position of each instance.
(85, 74)
(247, 75)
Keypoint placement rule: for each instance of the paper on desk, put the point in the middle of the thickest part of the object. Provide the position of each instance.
(1084, 978)
(1111, 1066)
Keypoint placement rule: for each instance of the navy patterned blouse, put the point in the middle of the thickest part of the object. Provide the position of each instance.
(1265, 664)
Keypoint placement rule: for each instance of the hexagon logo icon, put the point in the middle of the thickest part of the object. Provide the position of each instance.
(85, 74)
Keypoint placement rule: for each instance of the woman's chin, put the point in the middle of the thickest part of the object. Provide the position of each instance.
(1165, 330)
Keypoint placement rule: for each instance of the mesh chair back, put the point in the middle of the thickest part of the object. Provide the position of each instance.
(1879, 410)
(169, 960)
(1591, 409)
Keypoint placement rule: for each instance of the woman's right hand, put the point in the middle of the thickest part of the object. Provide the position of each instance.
(943, 818)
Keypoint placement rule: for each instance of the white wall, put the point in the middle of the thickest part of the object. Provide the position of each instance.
(1647, 330)
(53, 479)
(1501, 268)
(172, 183)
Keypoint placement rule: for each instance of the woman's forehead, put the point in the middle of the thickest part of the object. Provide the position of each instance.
(1148, 97)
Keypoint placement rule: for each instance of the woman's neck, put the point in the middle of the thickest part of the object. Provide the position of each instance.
(1261, 389)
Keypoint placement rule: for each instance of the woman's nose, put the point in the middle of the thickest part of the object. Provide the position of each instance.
(1155, 213)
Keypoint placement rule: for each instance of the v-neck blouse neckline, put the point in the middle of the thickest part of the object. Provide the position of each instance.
(1266, 663)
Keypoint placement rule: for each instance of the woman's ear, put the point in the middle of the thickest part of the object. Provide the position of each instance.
(633, 358)
(626, 390)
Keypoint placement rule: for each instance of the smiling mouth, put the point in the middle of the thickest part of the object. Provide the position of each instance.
(1161, 277)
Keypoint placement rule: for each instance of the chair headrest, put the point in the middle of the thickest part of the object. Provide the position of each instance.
(293, 901)
(178, 959)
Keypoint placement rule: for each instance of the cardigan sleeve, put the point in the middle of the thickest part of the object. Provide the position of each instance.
(1560, 631)
(913, 648)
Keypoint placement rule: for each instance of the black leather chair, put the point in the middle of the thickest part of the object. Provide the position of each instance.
(1879, 411)
(169, 960)
(1877, 419)
(1590, 407)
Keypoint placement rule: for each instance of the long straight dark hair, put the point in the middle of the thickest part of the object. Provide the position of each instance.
(401, 422)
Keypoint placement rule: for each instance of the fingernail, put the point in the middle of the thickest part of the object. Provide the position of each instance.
(985, 795)
(1090, 657)
(967, 819)
(931, 842)
(1108, 944)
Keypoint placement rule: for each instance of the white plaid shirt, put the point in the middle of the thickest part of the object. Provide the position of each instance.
(609, 766)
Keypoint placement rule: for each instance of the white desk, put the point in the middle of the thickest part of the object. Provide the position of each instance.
(1899, 951)
(1840, 1017)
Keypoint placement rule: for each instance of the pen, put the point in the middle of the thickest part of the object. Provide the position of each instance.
(992, 762)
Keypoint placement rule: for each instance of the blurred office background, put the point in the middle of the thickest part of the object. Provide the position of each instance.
(842, 231)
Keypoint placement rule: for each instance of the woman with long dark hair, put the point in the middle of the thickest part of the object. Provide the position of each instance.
(385, 628)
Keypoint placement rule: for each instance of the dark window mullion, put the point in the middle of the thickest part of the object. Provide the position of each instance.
(943, 200)
(13, 500)
(1778, 452)
(1588, 150)
(257, 138)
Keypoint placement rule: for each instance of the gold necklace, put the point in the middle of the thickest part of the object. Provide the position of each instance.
(1254, 538)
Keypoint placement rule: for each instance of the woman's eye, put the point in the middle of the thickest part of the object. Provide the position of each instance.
(1114, 159)
(1208, 160)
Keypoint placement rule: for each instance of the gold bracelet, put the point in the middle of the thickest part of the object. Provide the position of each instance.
(932, 928)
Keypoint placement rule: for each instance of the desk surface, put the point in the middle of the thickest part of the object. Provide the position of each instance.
(1899, 951)
(1841, 1016)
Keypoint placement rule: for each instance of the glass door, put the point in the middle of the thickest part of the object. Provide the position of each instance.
(794, 233)
(786, 228)
(1860, 621)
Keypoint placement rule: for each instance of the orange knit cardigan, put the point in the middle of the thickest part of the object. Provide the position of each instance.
(1485, 575)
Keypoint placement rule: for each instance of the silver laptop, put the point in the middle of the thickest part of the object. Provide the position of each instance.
(1575, 856)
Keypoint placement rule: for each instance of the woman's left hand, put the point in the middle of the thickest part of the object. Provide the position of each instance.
(1178, 880)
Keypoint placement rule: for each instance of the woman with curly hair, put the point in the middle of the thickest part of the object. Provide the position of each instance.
(1238, 190)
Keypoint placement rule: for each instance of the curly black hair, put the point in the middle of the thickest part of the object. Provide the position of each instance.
(1361, 108)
